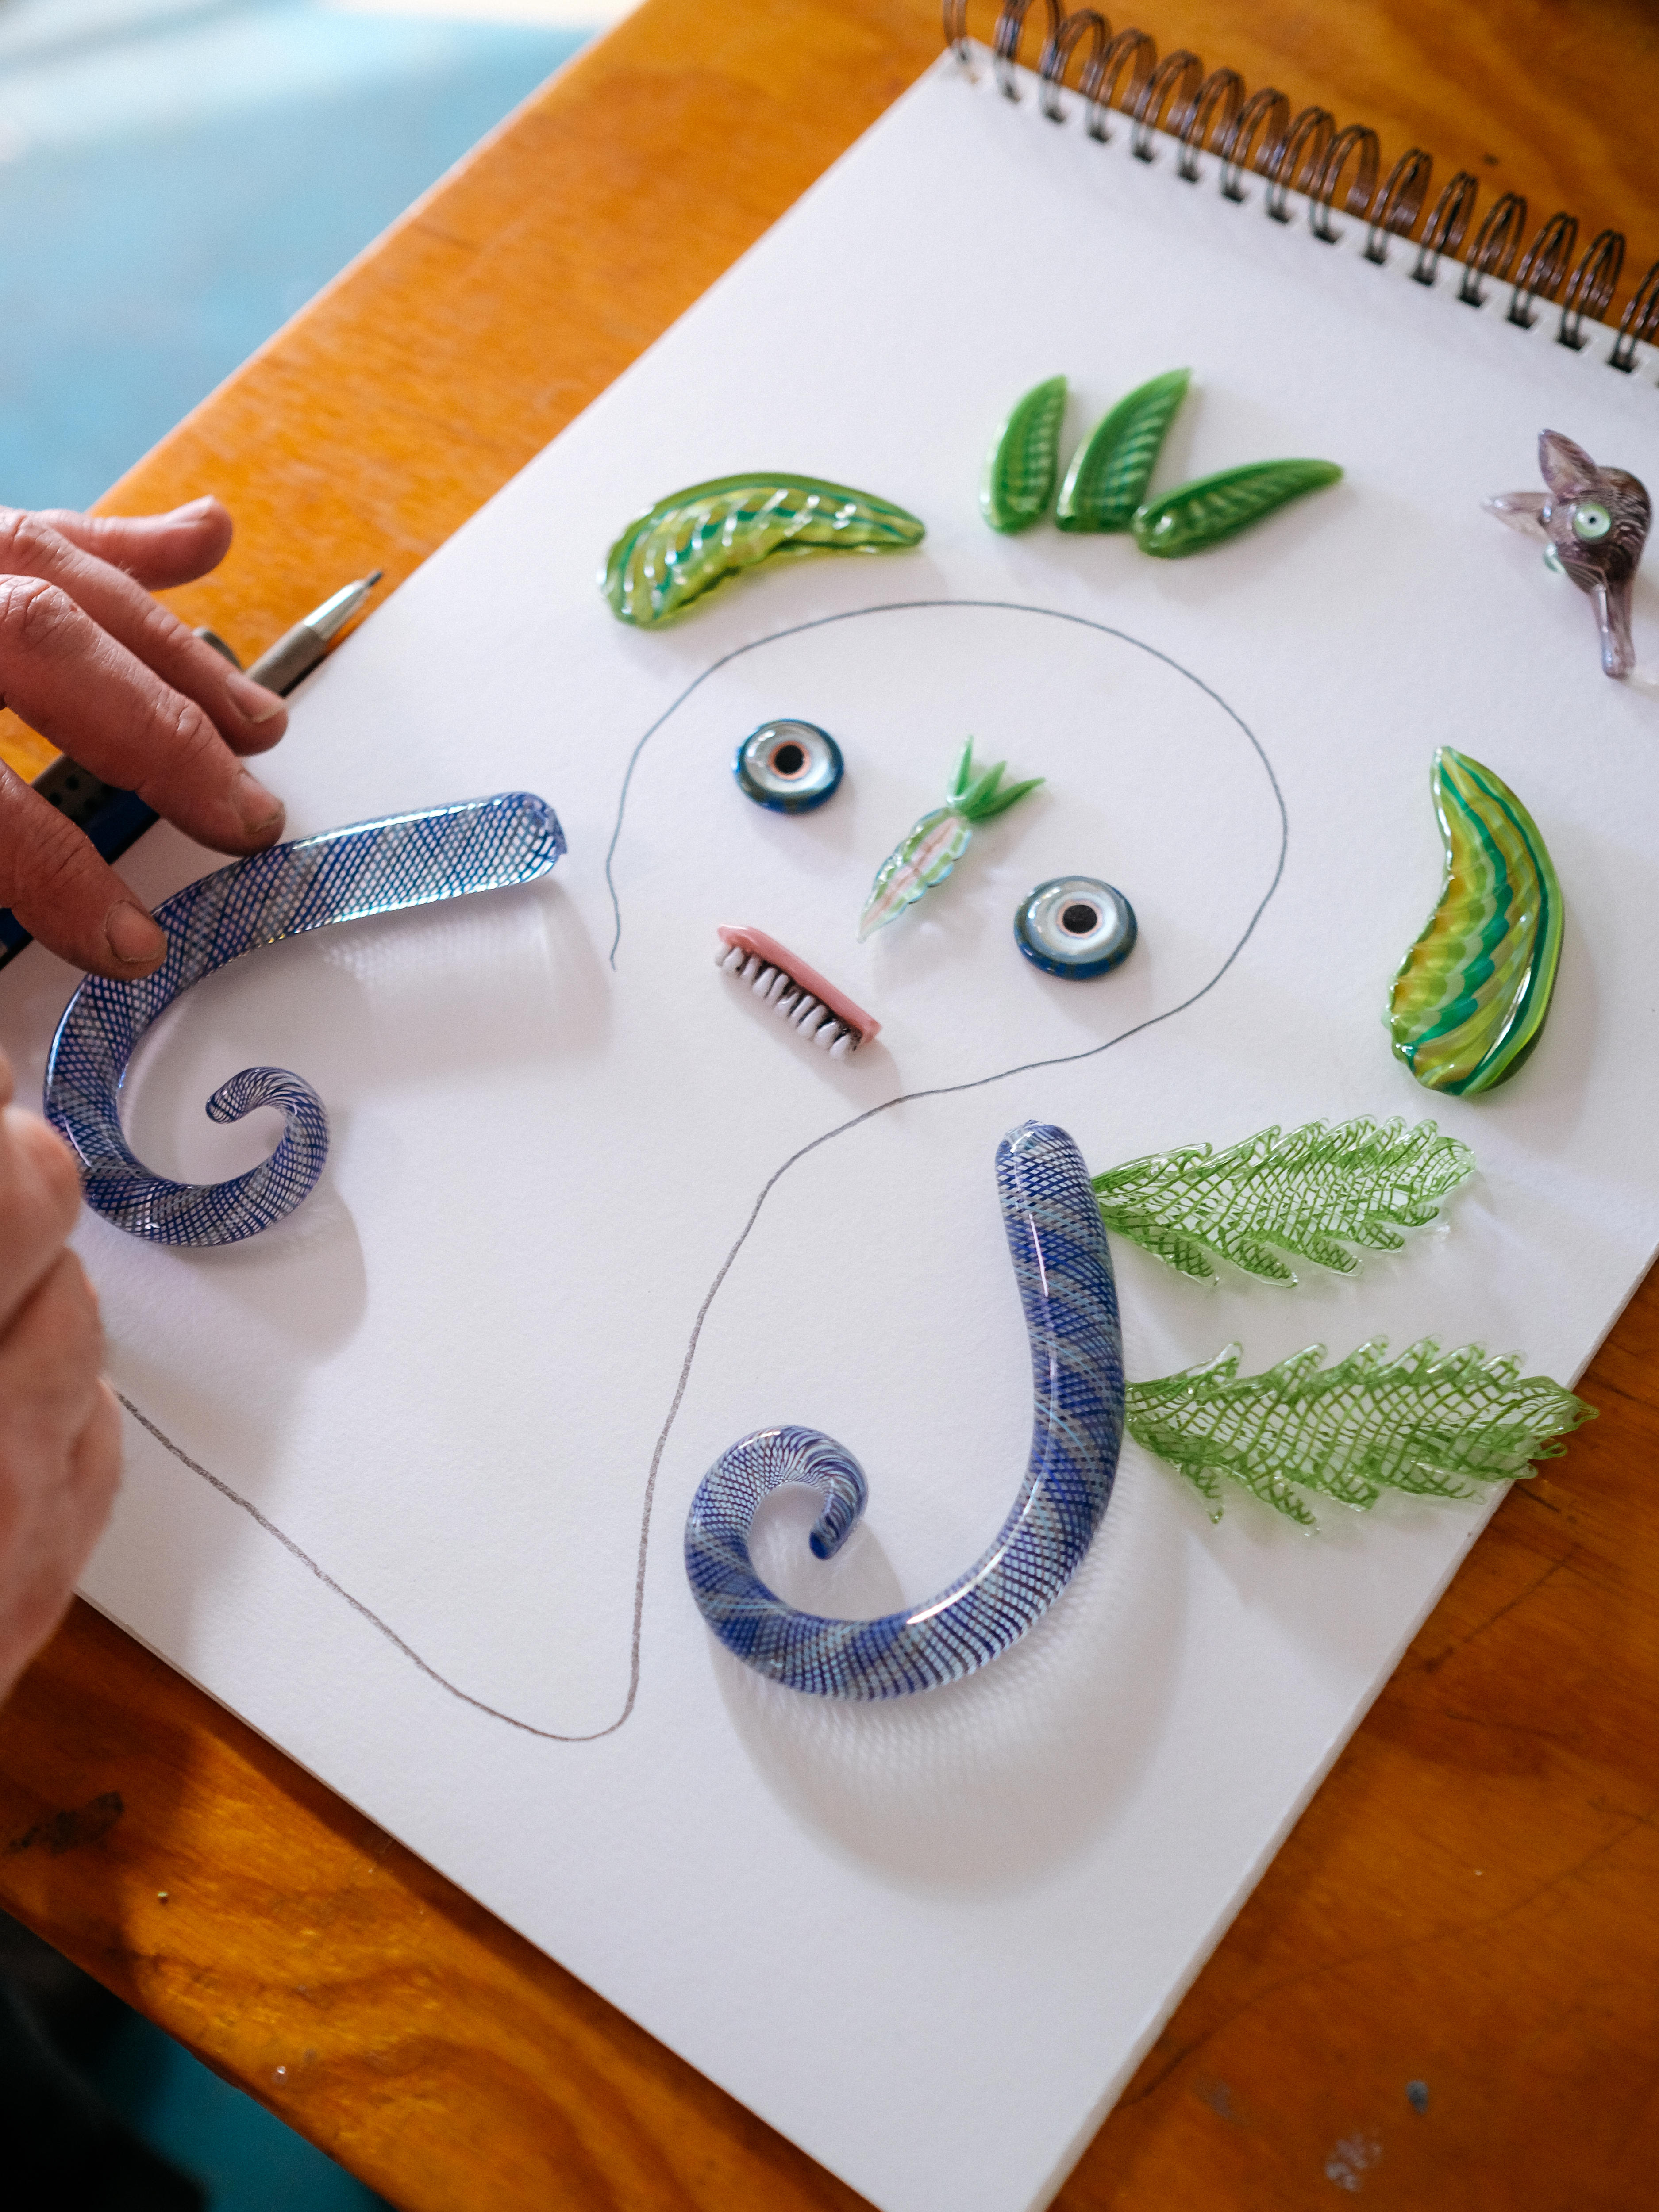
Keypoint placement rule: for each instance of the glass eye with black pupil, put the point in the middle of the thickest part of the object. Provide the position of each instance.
(1076, 926)
(1590, 521)
(789, 767)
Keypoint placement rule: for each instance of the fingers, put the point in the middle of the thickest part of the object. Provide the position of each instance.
(249, 718)
(66, 896)
(50, 1357)
(156, 550)
(80, 687)
(40, 1202)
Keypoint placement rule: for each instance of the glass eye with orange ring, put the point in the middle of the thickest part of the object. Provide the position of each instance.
(1075, 926)
(789, 767)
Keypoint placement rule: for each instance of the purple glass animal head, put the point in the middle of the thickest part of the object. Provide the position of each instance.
(1594, 521)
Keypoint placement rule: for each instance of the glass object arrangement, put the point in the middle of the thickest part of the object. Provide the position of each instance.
(669, 558)
(1593, 523)
(342, 875)
(933, 846)
(1471, 998)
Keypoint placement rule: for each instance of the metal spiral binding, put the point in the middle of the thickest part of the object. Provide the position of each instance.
(1307, 154)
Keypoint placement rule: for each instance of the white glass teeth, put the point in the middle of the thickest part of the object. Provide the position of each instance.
(777, 989)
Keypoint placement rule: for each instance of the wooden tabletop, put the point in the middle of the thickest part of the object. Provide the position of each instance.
(1445, 1991)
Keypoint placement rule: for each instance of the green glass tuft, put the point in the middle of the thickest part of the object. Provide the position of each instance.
(1312, 1194)
(1210, 509)
(677, 552)
(1024, 459)
(1111, 469)
(1470, 1000)
(1436, 1427)
(933, 846)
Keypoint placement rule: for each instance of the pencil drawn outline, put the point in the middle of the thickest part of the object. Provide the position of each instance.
(841, 1129)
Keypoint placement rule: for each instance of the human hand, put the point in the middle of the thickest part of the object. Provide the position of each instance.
(60, 1437)
(89, 659)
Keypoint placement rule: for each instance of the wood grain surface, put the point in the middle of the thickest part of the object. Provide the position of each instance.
(1444, 1992)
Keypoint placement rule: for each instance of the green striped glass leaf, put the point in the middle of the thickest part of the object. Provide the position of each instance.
(671, 556)
(1024, 460)
(1471, 997)
(1111, 469)
(1197, 515)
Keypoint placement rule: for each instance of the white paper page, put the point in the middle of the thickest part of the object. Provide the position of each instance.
(929, 1941)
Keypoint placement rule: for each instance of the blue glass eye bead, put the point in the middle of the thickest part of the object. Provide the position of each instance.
(1076, 926)
(373, 867)
(789, 767)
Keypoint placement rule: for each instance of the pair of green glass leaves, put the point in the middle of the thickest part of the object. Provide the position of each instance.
(1427, 1423)
(1105, 487)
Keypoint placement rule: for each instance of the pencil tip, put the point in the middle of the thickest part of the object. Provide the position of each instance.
(375, 578)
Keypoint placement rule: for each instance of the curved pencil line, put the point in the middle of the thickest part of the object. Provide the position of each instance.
(841, 1129)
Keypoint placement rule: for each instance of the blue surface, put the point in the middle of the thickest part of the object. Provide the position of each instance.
(176, 180)
(243, 2155)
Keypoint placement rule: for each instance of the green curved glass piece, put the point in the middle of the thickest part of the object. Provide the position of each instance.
(1111, 469)
(1420, 1423)
(1024, 459)
(1311, 1193)
(1472, 994)
(934, 845)
(675, 553)
(1196, 516)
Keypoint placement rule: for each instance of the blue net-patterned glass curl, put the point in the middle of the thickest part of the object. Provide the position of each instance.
(343, 875)
(1064, 1271)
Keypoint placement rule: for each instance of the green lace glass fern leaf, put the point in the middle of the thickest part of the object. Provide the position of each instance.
(1312, 1194)
(1422, 1423)
(1112, 468)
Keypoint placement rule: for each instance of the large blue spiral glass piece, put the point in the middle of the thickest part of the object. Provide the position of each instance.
(342, 875)
(1063, 1270)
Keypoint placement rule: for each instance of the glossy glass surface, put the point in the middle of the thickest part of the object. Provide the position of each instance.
(1064, 1272)
(374, 868)
(1211, 509)
(1112, 468)
(1471, 998)
(1594, 522)
(789, 767)
(933, 846)
(1018, 479)
(1075, 926)
(678, 552)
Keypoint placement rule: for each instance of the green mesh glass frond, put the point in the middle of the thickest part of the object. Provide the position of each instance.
(1311, 1193)
(1421, 1423)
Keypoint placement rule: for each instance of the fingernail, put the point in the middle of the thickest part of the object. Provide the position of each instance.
(196, 506)
(255, 701)
(134, 938)
(258, 808)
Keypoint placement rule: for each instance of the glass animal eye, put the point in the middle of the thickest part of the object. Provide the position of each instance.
(1590, 521)
(1075, 926)
(789, 767)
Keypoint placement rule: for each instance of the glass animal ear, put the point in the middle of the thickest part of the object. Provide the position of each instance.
(1594, 522)
(376, 867)
(1075, 926)
(1310, 1194)
(1024, 460)
(933, 846)
(1063, 1269)
(678, 552)
(789, 767)
(1437, 1426)
(1471, 998)
(1112, 468)
(1211, 509)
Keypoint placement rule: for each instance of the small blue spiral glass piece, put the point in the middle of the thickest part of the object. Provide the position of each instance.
(373, 867)
(1075, 926)
(789, 767)
(1063, 1270)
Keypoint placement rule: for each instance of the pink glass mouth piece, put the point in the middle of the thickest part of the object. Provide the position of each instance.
(755, 943)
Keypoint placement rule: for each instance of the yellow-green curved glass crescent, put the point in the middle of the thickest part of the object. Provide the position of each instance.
(670, 557)
(1471, 996)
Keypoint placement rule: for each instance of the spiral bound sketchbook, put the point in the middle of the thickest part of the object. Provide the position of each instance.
(408, 1474)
